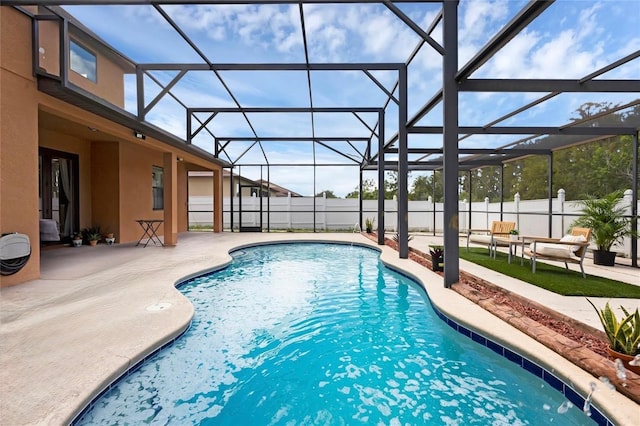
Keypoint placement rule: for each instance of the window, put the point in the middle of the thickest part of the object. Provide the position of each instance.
(157, 187)
(83, 62)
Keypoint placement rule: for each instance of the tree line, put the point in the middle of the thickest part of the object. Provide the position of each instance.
(585, 169)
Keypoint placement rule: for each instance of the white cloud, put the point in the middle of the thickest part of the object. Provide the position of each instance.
(478, 17)
(562, 57)
(255, 25)
(506, 64)
(570, 40)
(570, 52)
(479, 20)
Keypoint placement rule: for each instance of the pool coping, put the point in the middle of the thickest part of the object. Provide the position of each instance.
(69, 334)
(619, 409)
(531, 359)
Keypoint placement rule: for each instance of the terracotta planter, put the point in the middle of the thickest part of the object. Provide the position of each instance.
(93, 243)
(625, 360)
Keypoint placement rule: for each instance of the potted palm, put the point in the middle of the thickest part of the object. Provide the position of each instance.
(92, 235)
(368, 224)
(608, 222)
(94, 238)
(623, 334)
(437, 258)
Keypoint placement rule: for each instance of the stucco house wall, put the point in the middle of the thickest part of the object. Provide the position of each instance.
(114, 167)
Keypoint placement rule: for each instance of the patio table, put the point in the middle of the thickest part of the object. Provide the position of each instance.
(512, 244)
(150, 229)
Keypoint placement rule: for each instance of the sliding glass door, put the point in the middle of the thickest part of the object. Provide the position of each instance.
(59, 191)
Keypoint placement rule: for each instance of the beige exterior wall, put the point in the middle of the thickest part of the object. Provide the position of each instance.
(203, 185)
(110, 77)
(115, 183)
(183, 197)
(49, 47)
(105, 186)
(136, 168)
(19, 140)
(109, 84)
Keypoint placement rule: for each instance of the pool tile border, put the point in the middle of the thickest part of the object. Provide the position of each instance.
(126, 374)
(555, 382)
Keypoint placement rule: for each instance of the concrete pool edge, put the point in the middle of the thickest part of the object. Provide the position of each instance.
(616, 407)
(450, 304)
(54, 331)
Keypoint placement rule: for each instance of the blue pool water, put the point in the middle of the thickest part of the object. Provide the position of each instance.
(324, 334)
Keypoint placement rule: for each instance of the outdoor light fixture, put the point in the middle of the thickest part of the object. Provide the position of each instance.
(139, 135)
(180, 159)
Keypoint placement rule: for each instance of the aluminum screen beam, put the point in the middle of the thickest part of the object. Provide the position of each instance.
(546, 85)
(381, 170)
(518, 151)
(294, 139)
(292, 66)
(455, 80)
(285, 109)
(450, 136)
(403, 170)
(634, 201)
(415, 27)
(572, 130)
(191, 2)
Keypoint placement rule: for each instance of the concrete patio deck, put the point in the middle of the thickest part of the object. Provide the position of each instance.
(96, 312)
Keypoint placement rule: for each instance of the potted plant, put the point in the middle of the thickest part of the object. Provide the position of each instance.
(608, 222)
(368, 224)
(94, 238)
(623, 334)
(77, 239)
(437, 258)
(513, 234)
(92, 235)
(109, 238)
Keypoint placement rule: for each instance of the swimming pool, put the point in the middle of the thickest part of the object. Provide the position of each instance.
(324, 334)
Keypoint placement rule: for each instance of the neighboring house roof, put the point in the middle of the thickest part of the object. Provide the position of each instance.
(225, 174)
(277, 190)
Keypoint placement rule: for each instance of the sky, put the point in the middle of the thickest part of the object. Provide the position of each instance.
(571, 39)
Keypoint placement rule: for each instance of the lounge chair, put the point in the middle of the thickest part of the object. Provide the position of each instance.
(498, 235)
(569, 249)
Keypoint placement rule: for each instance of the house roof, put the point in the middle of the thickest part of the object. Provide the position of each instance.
(279, 190)
(274, 189)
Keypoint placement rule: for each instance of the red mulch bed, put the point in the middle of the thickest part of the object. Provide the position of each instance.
(591, 339)
(597, 344)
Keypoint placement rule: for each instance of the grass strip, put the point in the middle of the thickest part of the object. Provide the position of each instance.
(552, 278)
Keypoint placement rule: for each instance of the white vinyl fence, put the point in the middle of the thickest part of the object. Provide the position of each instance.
(337, 214)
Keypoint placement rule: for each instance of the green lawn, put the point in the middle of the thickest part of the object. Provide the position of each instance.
(552, 278)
